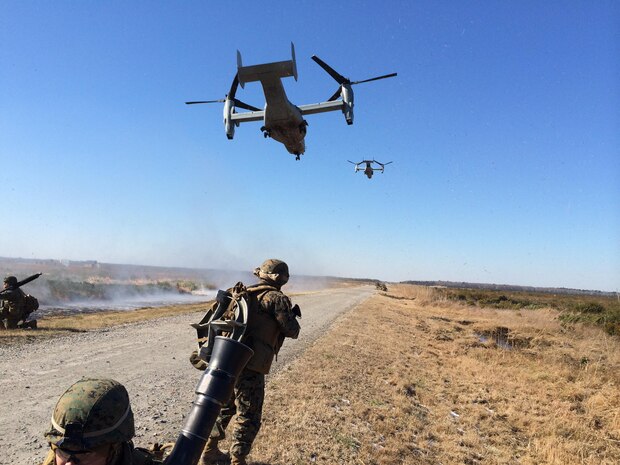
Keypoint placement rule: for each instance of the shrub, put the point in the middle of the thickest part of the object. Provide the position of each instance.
(591, 307)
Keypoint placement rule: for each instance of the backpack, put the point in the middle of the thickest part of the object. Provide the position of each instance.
(30, 304)
(228, 317)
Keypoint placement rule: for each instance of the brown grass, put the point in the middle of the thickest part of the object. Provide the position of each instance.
(398, 382)
(53, 326)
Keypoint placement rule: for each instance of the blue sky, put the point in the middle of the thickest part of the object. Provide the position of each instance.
(503, 126)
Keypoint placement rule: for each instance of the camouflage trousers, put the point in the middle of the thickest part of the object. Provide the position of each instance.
(16, 323)
(11, 322)
(247, 404)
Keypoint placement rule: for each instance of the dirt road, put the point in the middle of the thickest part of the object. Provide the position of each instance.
(149, 358)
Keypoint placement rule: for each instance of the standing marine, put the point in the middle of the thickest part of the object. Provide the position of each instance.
(15, 306)
(271, 318)
(92, 424)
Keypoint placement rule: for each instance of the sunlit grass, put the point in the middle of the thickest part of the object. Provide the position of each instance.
(400, 382)
(51, 326)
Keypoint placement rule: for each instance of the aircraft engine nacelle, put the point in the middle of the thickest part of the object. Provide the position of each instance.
(347, 98)
(229, 125)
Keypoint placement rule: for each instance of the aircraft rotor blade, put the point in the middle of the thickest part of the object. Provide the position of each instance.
(338, 77)
(206, 101)
(336, 95)
(245, 106)
(375, 78)
(233, 87)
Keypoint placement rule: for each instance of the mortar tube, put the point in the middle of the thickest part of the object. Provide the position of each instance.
(213, 391)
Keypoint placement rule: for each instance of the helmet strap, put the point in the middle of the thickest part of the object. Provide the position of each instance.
(73, 433)
(113, 454)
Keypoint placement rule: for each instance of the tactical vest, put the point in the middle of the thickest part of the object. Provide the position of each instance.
(263, 334)
(13, 306)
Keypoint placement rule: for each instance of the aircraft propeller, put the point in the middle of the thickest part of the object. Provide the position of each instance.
(229, 96)
(340, 79)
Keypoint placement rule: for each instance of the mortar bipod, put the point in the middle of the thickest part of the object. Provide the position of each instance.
(228, 318)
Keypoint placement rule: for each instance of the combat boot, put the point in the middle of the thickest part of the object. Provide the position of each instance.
(238, 460)
(28, 324)
(212, 454)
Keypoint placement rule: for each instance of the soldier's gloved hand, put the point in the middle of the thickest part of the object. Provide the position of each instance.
(296, 310)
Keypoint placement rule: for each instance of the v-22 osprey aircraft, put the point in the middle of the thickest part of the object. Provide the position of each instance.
(370, 169)
(282, 120)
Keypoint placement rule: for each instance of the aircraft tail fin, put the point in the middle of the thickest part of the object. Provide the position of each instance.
(277, 69)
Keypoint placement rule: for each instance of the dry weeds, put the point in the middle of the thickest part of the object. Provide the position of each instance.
(52, 326)
(408, 379)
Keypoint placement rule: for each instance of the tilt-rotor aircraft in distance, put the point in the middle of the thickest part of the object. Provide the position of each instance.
(369, 170)
(283, 120)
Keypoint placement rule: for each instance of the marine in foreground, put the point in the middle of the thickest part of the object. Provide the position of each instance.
(92, 424)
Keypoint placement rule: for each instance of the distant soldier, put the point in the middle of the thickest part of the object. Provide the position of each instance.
(271, 318)
(15, 306)
(92, 424)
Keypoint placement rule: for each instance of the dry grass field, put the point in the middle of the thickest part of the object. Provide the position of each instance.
(411, 378)
(414, 377)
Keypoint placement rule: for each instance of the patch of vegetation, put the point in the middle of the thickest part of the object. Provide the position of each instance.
(63, 290)
(186, 286)
(53, 326)
(601, 310)
(495, 299)
(381, 286)
(348, 441)
(607, 316)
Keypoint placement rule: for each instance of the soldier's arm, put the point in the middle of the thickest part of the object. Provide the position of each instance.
(281, 307)
(10, 295)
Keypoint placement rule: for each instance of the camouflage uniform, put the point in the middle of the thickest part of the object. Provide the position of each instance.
(128, 455)
(271, 319)
(12, 310)
(93, 413)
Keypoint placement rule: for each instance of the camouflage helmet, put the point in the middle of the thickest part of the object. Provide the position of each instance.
(90, 414)
(274, 270)
(273, 265)
(10, 280)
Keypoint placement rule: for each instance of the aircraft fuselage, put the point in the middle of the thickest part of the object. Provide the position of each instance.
(283, 121)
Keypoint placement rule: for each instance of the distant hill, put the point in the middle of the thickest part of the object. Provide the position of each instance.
(509, 287)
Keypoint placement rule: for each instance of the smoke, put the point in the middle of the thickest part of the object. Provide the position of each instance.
(89, 286)
(79, 286)
(125, 303)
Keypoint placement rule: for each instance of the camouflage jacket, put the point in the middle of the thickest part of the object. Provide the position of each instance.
(271, 319)
(12, 303)
(130, 455)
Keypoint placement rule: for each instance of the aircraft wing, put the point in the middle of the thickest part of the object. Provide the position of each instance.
(321, 107)
(247, 116)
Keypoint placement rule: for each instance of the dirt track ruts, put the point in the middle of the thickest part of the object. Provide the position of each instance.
(150, 358)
